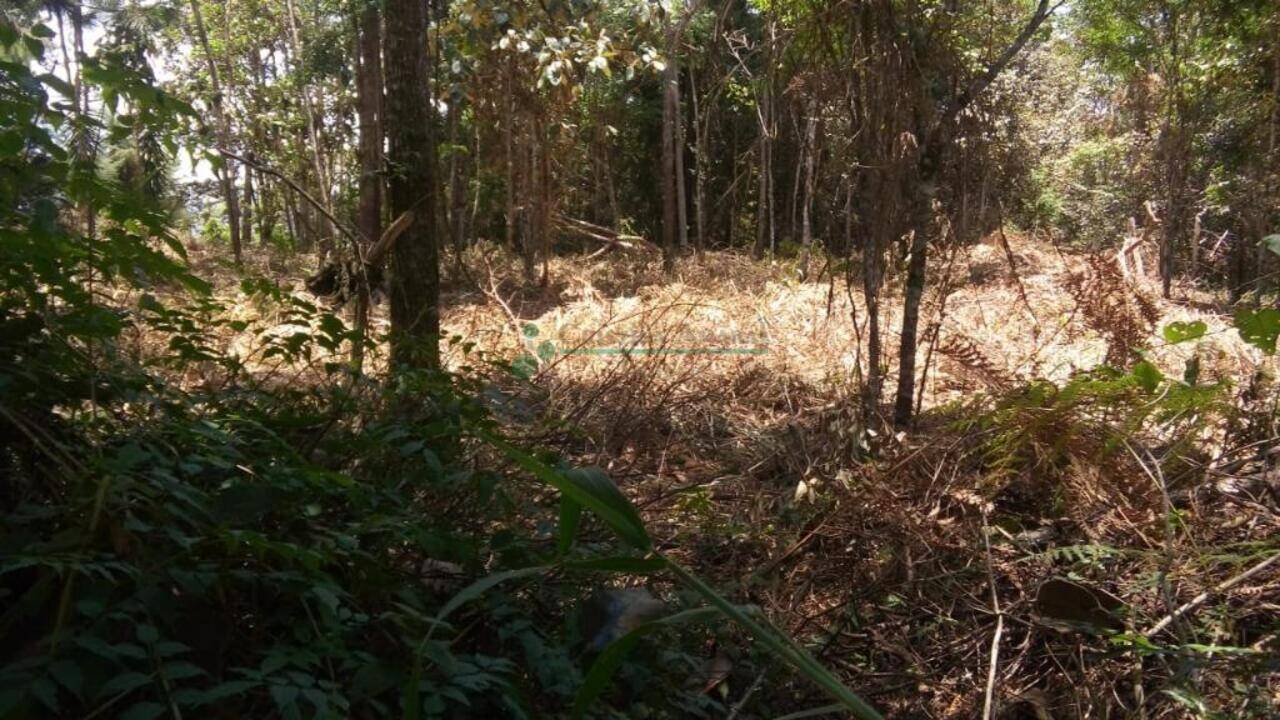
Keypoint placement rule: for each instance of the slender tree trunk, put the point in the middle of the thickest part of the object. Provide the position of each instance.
(1174, 155)
(682, 204)
(411, 155)
(266, 212)
(670, 193)
(85, 147)
(245, 202)
(935, 140)
(914, 293)
(806, 223)
(246, 217)
(1271, 166)
(318, 158)
(765, 235)
(764, 213)
(227, 174)
(699, 167)
(872, 257)
(509, 146)
(529, 237)
(457, 179)
(369, 117)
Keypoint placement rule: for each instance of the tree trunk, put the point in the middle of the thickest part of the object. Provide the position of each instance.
(414, 272)
(872, 256)
(529, 237)
(266, 212)
(699, 167)
(764, 213)
(227, 173)
(682, 204)
(246, 217)
(914, 293)
(806, 223)
(457, 181)
(369, 117)
(935, 140)
(318, 159)
(765, 237)
(1268, 200)
(670, 197)
(85, 152)
(1173, 151)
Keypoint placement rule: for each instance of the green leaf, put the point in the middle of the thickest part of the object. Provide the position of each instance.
(779, 645)
(813, 712)
(590, 487)
(68, 676)
(167, 648)
(1259, 328)
(181, 670)
(603, 669)
(8, 34)
(143, 711)
(570, 519)
(46, 692)
(1147, 375)
(628, 565)
(1272, 243)
(286, 698)
(480, 587)
(226, 690)
(58, 84)
(1179, 332)
(124, 683)
(410, 696)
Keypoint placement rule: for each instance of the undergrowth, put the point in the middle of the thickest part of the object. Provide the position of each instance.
(183, 536)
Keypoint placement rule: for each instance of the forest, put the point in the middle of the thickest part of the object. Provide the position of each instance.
(725, 359)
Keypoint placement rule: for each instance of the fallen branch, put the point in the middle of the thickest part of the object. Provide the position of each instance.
(611, 238)
(343, 280)
(388, 239)
(1203, 597)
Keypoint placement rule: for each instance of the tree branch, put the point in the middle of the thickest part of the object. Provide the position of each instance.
(983, 81)
(351, 235)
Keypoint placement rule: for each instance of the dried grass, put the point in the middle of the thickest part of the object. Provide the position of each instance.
(877, 562)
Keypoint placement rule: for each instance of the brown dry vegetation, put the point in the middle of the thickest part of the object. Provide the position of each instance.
(757, 469)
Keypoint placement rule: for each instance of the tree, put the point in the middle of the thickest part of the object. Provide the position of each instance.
(411, 159)
(227, 168)
(934, 140)
(369, 208)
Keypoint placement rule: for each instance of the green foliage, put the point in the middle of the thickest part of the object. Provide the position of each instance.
(1046, 427)
(237, 547)
(1259, 328)
(1180, 332)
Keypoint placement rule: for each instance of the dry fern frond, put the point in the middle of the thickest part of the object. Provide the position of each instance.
(963, 352)
(1113, 309)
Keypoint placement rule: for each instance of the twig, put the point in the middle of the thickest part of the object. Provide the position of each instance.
(493, 293)
(1157, 477)
(1221, 587)
(988, 702)
(737, 707)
